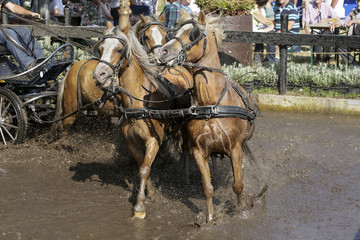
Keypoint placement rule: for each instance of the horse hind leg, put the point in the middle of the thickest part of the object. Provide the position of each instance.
(203, 166)
(236, 157)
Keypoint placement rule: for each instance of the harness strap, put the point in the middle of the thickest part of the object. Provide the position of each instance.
(194, 112)
(152, 49)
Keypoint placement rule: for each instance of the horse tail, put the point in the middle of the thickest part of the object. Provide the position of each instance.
(59, 107)
(247, 151)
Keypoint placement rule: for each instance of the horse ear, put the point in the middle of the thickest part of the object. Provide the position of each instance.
(162, 18)
(201, 17)
(126, 29)
(109, 25)
(182, 12)
(143, 19)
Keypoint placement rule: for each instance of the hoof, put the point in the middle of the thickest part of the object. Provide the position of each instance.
(242, 203)
(140, 215)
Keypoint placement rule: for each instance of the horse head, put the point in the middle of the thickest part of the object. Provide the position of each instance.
(186, 43)
(151, 33)
(113, 53)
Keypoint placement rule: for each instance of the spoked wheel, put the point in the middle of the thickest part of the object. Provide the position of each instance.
(13, 120)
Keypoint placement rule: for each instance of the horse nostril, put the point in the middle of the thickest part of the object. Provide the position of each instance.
(164, 52)
(102, 75)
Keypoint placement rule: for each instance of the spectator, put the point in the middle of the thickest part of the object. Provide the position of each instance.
(194, 8)
(136, 9)
(288, 8)
(114, 11)
(25, 50)
(95, 13)
(353, 22)
(56, 7)
(185, 5)
(319, 12)
(150, 3)
(262, 22)
(171, 12)
(338, 6)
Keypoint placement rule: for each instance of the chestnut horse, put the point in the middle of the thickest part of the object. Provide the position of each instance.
(151, 33)
(197, 42)
(124, 69)
(77, 89)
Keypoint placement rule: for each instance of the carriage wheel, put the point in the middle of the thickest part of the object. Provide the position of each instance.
(13, 119)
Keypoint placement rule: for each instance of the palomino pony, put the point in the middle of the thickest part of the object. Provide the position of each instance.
(125, 71)
(151, 33)
(77, 89)
(226, 134)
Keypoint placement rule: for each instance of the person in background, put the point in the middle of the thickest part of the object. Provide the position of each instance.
(114, 11)
(319, 12)
(150, 3)
(338, 6)
(195, 8)
(95, 13)
(261, 23)
(56, 8)
(352, 21)
(171, 12)
(185, 5)
(136, 9)
(28, 52)
(288, 8)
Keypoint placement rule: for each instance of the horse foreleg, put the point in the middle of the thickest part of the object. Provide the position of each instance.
(139, 157)
(203, 165)
(186, 149)
(152, 147)
(236, 156)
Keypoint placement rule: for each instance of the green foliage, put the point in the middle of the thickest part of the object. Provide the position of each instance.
(323, 75)
(303, 74)
(227, 7)
(79, 54)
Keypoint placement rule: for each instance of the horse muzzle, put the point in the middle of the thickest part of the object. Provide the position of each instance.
(102, 76)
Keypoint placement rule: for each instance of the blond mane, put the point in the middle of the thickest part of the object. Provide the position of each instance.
(214, 25)
(138, 54)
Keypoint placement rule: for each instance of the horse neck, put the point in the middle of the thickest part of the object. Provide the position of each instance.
(133, 79)
(210, 85)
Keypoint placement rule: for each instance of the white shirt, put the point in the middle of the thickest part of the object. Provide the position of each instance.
(115, 4)
(195, 8)
(56, 4)
(339, 8)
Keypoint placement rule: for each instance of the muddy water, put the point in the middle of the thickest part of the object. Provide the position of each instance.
(80, 187)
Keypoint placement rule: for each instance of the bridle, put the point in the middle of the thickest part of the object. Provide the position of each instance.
(194, 40)
(124, 56)
(143, 39)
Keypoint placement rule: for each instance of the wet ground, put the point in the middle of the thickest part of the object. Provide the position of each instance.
(80, 186)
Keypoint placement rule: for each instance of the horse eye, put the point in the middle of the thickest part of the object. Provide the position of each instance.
(119, 50)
